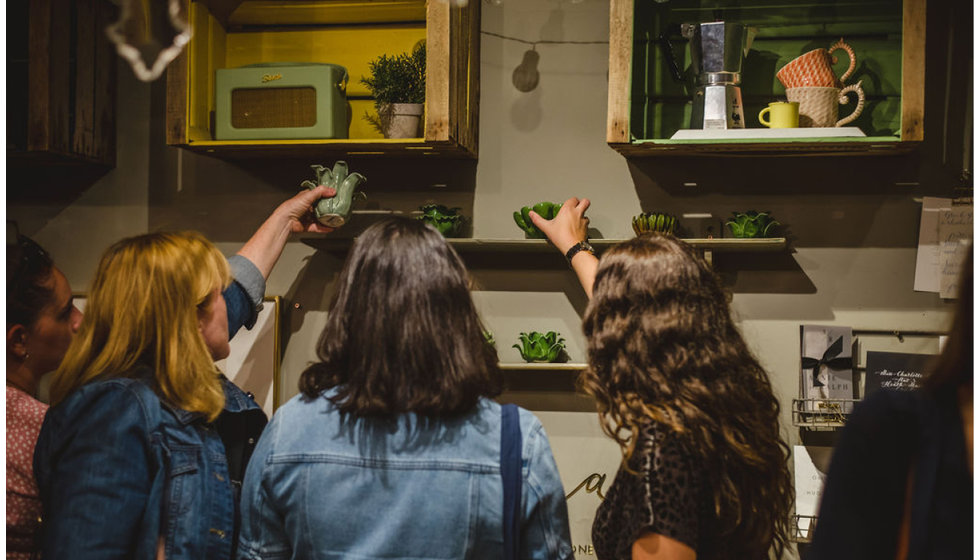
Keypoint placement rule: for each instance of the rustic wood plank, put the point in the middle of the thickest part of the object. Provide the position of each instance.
(437, 63)
(83, 136)
(471, 138)
(60, 76)
(39, 79)
(913, 69)
(104, 107)
(457, 73)
(177, 87)
(221, 9)
(620, 56)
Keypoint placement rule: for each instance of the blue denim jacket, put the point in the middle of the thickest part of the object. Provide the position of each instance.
(117, 468)
(322, 487)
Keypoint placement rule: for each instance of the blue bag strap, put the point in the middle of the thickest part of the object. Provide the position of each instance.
(510, 472)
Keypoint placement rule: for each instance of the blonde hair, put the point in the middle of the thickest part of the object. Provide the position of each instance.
(143, 308)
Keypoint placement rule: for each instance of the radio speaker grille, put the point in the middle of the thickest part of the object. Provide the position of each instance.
(273, 107)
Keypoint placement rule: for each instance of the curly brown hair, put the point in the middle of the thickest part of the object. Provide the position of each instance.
(662, 347)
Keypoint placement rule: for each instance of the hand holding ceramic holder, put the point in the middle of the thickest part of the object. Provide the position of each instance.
(334, 212)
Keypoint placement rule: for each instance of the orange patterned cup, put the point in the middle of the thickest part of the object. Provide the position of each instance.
(815, 68)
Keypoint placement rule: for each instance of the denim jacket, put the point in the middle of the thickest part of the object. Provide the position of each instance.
(118, 468)
(323, 486)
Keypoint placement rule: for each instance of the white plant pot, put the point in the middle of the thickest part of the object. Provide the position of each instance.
(403, 120)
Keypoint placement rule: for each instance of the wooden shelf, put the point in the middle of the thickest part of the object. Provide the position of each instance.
(332, 243)
(350, 33)
(646, 107)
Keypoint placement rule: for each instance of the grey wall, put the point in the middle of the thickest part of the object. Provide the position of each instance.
(853, 221)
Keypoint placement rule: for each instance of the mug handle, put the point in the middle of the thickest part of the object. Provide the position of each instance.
(838, 46)
(843, 100)
(764, 122)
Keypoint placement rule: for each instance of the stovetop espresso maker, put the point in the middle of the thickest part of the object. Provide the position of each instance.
(717, 49)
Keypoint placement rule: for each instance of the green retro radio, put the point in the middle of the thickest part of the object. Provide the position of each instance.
(281, 100)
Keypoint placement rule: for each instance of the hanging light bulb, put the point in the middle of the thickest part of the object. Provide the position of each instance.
(526, 75)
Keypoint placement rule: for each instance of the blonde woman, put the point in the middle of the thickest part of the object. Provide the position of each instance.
(144, 448)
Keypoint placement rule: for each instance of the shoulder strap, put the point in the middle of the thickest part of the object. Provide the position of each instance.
(510, 472)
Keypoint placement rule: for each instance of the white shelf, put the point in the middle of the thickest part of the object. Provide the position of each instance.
(522, 366)
(769, 133)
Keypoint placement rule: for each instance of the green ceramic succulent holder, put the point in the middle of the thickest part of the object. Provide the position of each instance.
(335, 212)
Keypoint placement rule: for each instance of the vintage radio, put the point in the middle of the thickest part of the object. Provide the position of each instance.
(281, 100)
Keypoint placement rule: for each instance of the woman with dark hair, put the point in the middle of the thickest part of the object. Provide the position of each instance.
(704, 471)
(900, 483)
(41, 320)
(393, 448)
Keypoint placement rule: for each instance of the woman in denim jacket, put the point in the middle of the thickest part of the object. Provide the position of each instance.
(143, 452)
(393, 448)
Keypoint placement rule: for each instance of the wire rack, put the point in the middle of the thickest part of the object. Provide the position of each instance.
(803, 526)
(817, 414)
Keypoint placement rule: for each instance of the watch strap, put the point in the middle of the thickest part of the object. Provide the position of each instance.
(580, 246)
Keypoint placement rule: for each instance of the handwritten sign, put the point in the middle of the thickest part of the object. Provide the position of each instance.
(955, 237)
(895, 370)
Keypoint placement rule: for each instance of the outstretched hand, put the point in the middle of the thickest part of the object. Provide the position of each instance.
(298, 210)
(567, 228)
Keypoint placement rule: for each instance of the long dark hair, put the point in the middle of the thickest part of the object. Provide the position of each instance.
(28, 271)
(663, 348)
(403, 334)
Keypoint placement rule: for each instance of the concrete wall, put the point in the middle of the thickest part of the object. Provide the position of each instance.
(853, 221)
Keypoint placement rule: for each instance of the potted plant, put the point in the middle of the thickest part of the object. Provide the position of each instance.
(397, 83)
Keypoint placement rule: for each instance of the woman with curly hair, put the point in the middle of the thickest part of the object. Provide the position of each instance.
(704, 471)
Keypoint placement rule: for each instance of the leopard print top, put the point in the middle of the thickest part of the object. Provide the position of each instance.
(667, 494)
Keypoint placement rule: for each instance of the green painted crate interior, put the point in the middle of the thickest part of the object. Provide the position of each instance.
(660, 106)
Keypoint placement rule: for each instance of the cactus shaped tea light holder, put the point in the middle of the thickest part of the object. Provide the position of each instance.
(336, 211)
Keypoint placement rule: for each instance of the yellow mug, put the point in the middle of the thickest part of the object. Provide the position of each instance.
(781, 115)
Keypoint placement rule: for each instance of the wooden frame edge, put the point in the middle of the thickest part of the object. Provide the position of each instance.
(913, 70)
(620, 58)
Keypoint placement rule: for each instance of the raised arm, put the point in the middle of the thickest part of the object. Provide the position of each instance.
(254, 262)
(292, 216)
(569, 227)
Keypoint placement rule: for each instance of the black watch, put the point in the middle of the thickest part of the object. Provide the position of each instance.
(580, 246)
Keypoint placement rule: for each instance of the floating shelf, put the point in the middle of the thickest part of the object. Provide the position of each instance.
(332, 243)
(522, 366)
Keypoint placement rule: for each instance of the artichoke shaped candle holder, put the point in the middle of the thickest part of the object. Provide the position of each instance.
(522, 217)
(447, 221)
(335, 212)
(536, 347)
(751, 224)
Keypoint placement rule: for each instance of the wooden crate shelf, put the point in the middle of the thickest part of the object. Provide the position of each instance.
(350, 33)
(646, 106)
